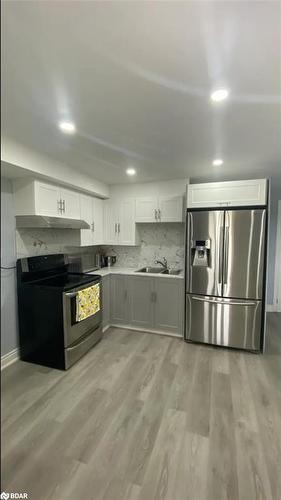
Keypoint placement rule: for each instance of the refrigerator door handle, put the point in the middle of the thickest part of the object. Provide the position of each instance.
(223, 302)
(225, 259)
(220, 255)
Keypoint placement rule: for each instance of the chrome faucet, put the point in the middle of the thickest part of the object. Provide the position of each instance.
(163, 263)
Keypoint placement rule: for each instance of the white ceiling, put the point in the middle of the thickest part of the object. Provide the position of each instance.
(135, 77)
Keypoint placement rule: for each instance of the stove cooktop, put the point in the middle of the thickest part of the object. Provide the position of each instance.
(67, 281)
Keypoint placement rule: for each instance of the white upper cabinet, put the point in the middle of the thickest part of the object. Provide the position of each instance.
(111, 218)
(91, 211)
(47, 199)
(40, 198)
(70, 203)
(159, 209)
(98, 221)
(86, 213)
(146, 210)
(127, 232)
(171, 208)
(230, 193)
(120, 227)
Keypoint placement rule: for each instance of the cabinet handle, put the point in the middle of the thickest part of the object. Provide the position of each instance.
(93, 226)
(159, 214)
(153, 296)
(118, 227)
(115, 227)
(59, 206)
(155, 214)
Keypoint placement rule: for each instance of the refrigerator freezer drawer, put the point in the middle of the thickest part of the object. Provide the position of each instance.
(224, 322)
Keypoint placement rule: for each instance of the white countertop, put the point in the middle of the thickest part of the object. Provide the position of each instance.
(105, 271)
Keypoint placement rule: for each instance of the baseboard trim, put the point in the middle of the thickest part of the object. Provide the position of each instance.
(9, 358)
(145, 330)
(105, 328)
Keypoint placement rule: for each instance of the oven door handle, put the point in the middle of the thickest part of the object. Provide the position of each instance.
(71, 295)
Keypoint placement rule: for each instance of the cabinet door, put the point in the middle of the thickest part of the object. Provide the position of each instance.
(229, 193)
(146, 209)
(86, 215)
(119, 300)
(105, 301)
(141, 301)
(111, 218)
(171, 208)
(71, 204)
(47, 199)
(126, 223)
(98, 224)
(169, 304)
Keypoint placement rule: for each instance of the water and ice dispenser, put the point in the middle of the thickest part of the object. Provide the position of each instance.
(200, 253)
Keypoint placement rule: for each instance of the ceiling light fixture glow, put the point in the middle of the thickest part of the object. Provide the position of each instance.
(219, 95)
(130, 171)
(218, 162)
(67, 127)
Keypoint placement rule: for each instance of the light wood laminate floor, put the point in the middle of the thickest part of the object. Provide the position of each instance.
(144, 417)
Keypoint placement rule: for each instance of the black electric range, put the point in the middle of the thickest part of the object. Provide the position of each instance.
(49, 331)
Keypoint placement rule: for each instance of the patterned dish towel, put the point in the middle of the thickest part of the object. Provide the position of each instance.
(87, 302)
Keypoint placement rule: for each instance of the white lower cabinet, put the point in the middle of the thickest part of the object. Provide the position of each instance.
(168, 305)
(149, 303)
(141, 295)
(106, 282)
(119, 300)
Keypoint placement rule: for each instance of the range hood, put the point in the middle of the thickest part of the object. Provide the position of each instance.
(43, 221)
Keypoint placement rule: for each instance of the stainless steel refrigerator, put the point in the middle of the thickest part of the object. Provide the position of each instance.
(225, 267)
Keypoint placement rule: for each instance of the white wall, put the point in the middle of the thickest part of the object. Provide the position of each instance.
(9, 336)
(275, 196)
(161, 188)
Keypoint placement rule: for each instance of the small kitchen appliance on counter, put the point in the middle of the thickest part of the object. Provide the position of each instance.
(109, 260)
(105, 260)
(60, 313)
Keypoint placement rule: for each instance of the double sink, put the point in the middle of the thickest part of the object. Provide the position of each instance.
(159, 270)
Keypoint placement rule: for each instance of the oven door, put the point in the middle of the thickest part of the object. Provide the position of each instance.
(74, 328)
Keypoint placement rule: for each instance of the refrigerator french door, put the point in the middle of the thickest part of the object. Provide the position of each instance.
(225, 277)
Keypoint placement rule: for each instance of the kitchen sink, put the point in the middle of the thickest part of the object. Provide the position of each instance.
(150, 270)
(171, 271)
(159, 270)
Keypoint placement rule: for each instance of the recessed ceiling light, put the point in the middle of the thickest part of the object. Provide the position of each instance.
(67, 127)
(218, 162)
(130, 171)
(219, 95)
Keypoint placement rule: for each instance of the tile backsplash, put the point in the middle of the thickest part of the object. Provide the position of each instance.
(30, 242)
(157, 241)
